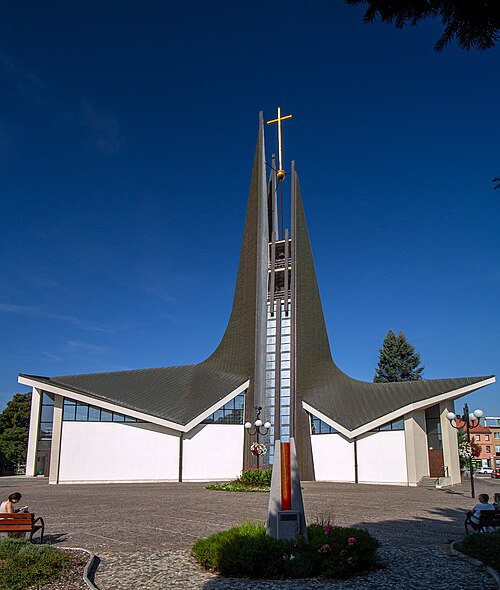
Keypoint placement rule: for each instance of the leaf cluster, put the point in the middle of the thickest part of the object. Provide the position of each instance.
(14, 426)
(398, 360)
(483, 546)
(24, 565)
(475, 24)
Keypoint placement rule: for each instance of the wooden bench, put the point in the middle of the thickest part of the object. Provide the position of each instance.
(487, 518)
(21, 522)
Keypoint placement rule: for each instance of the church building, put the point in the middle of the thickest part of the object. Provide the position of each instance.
(186, 423)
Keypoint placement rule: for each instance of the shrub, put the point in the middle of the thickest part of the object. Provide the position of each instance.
(256, 477)
(23, 564)
(483, 546)
(246, 551)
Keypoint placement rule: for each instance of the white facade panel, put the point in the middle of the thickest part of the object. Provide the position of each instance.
(213, 452)
(118, 451)
(382, 458)
(333, 457)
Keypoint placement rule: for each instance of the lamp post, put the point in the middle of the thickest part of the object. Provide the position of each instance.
(257, 428)
(471, 420)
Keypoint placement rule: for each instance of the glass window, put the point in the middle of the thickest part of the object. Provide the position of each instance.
(106, 416)
(118, 417)
(477, 437)
(486, 437)
(129, 419)
(488, 449)
(69, 411)
(497, 449)
(271, 339)
(270, 374)
(230, 413)
(398, 424)
(285, 346)
(82, 413)
(285, 383)
(47, 399)
(47, 413)
(94, 414)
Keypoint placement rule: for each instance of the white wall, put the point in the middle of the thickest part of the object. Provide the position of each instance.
(382, 457)
(118, 451)
(333, 457)
(213, 452)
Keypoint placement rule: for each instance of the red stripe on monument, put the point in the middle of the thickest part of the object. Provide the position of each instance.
(286, 480)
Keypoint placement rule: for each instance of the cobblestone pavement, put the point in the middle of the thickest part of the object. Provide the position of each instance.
(142, 533)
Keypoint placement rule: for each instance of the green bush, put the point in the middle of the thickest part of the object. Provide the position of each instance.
(483, 546)
(256, 477)
(246, 551)
(23, 564)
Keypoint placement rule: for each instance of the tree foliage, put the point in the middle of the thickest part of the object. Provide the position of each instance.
(398, 360)
(475, 24)
(14, 425)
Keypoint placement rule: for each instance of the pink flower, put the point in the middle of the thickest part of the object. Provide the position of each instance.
(351, 540)
(328, 528)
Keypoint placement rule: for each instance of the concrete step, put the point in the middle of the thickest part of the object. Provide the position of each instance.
(428, 482)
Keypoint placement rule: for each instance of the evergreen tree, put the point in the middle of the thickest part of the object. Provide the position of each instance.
(398, 360)
(14, 425)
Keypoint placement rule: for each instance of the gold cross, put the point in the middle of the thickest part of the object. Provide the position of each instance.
(281, 172)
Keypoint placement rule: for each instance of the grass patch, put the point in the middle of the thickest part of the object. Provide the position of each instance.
(236, 486)
(250, 480)
(23, 564)
(246, 551)
(483, 546)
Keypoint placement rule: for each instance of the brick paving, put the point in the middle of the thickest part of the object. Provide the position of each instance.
(142, 533)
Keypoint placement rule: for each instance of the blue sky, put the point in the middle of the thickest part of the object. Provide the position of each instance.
(127, 133)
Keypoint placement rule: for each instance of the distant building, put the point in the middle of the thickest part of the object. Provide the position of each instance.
(186, 423)
(493, 423)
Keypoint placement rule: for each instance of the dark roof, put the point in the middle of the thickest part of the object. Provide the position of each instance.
(320, 383)
(177, 394)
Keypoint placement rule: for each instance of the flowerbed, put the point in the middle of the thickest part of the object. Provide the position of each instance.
(250, 480)
(246, 551)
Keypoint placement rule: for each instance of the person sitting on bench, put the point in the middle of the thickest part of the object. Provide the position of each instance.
(475, 512)
(8, 505)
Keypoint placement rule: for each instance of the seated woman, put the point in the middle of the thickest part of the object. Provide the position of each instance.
(8, 505)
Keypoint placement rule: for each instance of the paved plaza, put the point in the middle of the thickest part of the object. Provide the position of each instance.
(142, 533)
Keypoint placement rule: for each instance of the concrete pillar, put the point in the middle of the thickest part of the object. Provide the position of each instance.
(55, 449)
(450, 443)
(417, 458)
(34, 429)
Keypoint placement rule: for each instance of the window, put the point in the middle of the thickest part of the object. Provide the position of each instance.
(394, 425)
(230, 413)
(477, 438)
(496, 435)
(46, 416)
(497, 450)
(320, 427)
(486, 437)
(74, 411)
(488, 449)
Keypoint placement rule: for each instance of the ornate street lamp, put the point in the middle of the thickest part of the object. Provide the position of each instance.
(471, 420)
(258, 428)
